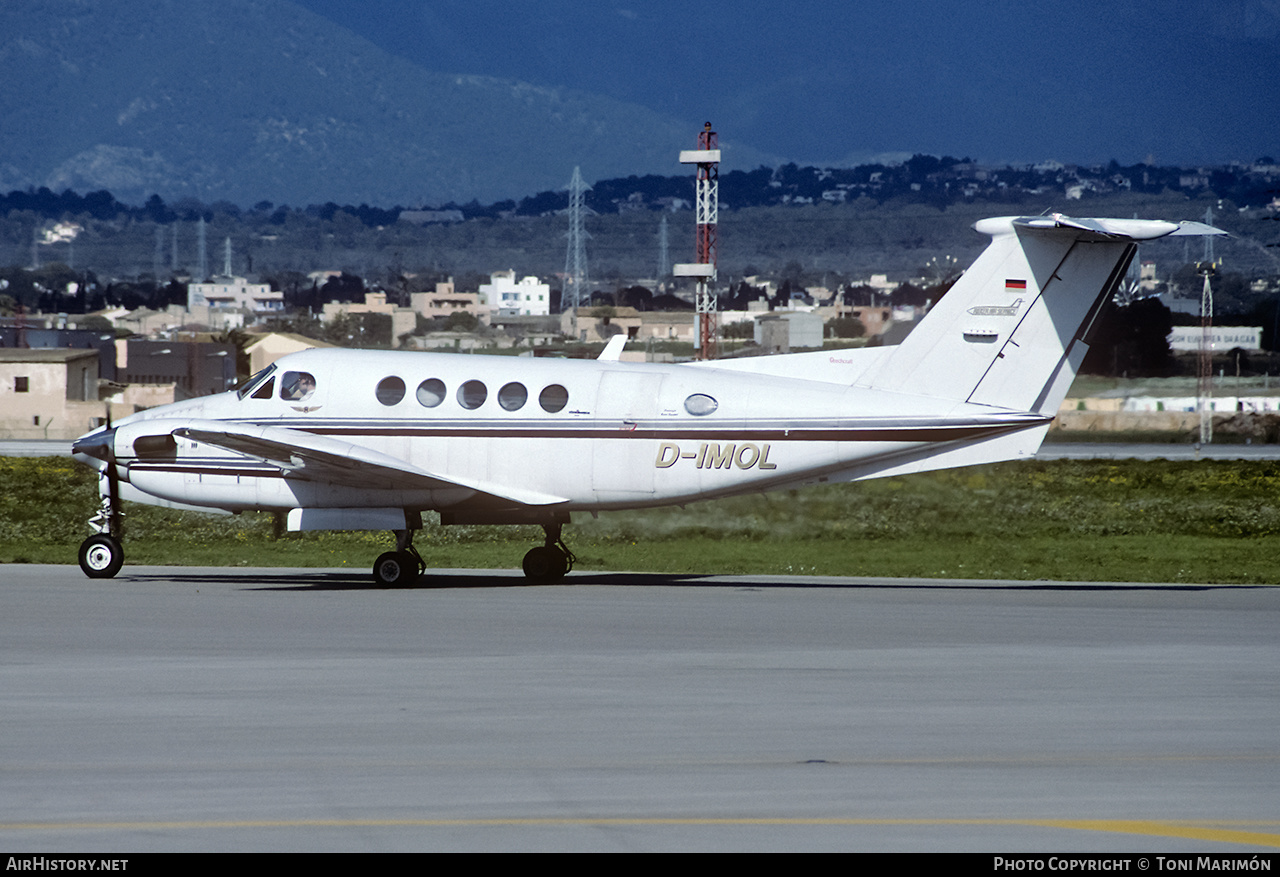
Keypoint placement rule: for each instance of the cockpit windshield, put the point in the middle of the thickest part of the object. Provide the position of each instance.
(255, 381)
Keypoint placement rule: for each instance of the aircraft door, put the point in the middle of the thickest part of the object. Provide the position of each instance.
(622, 463)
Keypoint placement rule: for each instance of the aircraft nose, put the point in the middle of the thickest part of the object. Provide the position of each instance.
(97, 446)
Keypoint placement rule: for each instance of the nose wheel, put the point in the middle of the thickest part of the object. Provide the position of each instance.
(101, 556)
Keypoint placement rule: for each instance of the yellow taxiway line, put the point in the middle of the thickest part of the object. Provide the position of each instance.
(1229, 832)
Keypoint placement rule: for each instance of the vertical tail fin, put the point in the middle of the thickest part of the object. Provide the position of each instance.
(1011, 332)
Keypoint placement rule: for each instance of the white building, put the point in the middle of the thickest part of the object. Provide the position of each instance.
(234, 292)
(502, 295)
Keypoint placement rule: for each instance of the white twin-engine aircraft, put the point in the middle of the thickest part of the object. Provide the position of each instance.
(369, 440)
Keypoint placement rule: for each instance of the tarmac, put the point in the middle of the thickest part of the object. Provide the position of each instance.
(202, 709)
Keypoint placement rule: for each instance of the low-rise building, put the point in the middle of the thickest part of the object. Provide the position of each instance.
(234, 292)
(196, 368)
(403, 320)
(446, 301)
(781, 331)
(503, 295)
(600, 324)
(49, 393)
(266, 349)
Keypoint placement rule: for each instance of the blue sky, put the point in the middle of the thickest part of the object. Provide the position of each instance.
(1083, 81)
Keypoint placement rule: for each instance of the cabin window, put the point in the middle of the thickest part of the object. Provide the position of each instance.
(296, 386)
(513, 396)
(390, 390)
(700, 404)
(553, 398)
(431, 392)
(264, 391)
(472, 394)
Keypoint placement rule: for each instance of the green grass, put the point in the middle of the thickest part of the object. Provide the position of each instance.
(1203, 521)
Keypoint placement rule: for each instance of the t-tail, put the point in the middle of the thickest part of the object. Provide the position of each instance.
(1013, 330)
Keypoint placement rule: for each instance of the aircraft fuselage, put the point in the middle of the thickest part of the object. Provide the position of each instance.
(594, 435)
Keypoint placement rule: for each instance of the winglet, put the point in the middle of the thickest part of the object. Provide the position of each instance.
(613, 350)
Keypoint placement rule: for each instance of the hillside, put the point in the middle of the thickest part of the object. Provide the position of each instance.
(250, 100)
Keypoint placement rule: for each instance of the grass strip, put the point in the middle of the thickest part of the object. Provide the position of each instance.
(1207, 521)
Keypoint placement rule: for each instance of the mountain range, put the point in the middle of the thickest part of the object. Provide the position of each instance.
(262, 100)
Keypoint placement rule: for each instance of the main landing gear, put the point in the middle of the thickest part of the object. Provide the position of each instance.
(543, 565)
(399, 568)
(102, 555)
(548, 563)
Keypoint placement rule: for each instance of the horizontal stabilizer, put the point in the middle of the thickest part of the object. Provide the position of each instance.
(1108, 229)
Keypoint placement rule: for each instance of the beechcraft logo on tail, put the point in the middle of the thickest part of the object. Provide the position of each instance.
(998, 311)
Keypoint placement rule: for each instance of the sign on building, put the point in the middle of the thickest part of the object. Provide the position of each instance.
(1222, 338)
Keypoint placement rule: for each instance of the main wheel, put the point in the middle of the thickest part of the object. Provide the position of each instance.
(101, 556)
(395, 569)
(545, 564)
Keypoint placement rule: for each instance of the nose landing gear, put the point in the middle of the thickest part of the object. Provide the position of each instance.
(102, 555)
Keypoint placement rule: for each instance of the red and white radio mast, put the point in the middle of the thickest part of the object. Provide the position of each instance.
(707, 198)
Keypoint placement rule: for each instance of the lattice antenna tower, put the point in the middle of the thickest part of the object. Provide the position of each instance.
(226, 257)
(1204, 361)
(664, 251)
(575, 259)
(157, 258)
(202, 258)
(707, 208)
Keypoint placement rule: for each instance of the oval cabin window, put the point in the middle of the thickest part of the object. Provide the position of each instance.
(472, 394)
(700, 404)
(513, 396)
(390, 390)
(431, 392)
(553, 398)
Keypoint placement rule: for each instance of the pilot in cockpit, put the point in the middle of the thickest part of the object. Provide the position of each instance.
(297, 386)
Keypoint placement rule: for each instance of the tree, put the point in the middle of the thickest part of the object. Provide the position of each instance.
(1132, 340)
(846, 327)
(635, 297)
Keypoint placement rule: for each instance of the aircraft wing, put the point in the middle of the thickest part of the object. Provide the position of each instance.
(317, 458)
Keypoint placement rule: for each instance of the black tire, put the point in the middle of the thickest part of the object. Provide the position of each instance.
(395, 569)
(544, 565)
(101, 556)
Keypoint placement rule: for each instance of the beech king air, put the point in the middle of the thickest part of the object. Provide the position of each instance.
(370, 440)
